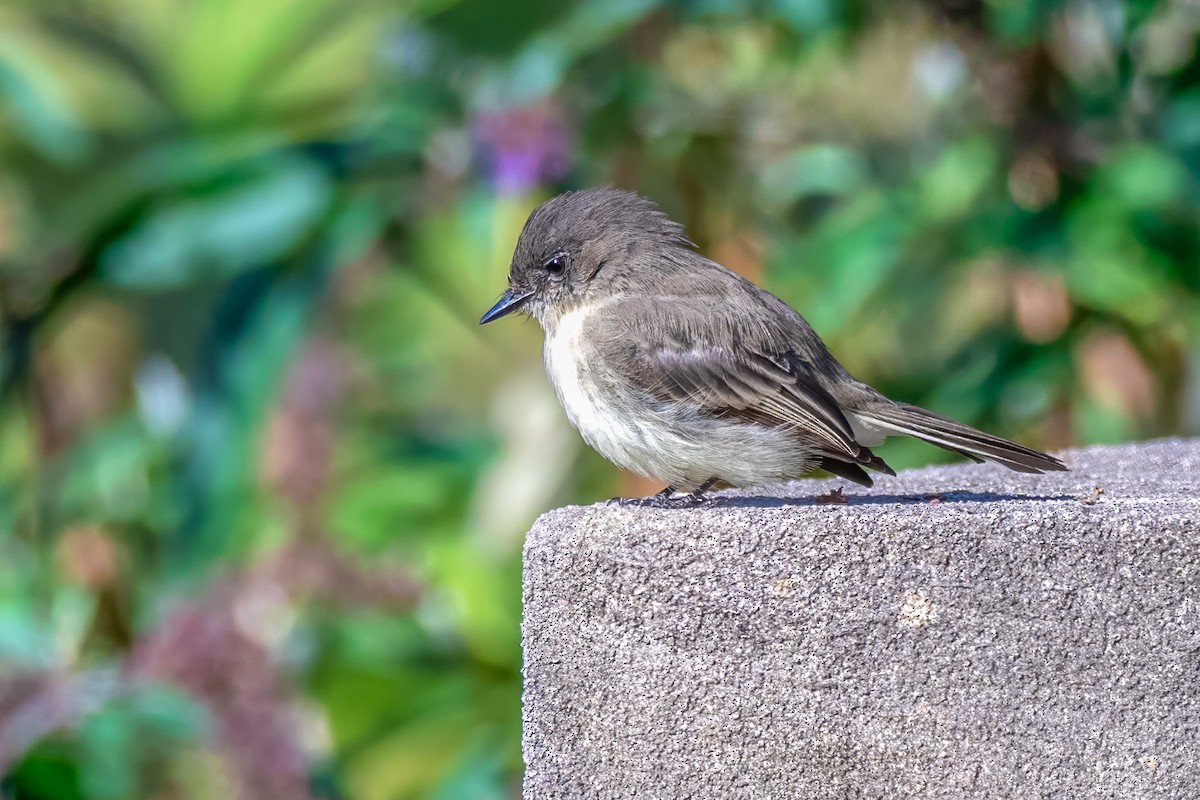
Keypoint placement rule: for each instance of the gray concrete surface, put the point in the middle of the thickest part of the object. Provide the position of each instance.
(1023, 636)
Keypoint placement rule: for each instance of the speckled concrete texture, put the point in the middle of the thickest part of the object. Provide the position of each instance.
(953, 632)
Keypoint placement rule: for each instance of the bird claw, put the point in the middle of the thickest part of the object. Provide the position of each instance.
(692, 500)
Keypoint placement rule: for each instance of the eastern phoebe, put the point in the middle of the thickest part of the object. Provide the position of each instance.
(675, 368)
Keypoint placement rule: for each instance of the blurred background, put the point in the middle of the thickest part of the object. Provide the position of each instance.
(263, 478)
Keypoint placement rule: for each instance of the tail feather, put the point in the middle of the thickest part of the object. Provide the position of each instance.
(901, 418)
(844, 469)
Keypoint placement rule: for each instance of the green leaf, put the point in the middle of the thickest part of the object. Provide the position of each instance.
(251, 222)
(956, 180)
(23, 641)
(817, 169)
(38, 105)
(1141, 177)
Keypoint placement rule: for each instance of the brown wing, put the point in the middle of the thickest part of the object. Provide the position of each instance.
(723, 364)
(772, 390)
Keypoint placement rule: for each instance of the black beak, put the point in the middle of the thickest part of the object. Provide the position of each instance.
(509, 302)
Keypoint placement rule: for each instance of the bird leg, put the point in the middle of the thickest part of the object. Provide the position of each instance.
(697, 497)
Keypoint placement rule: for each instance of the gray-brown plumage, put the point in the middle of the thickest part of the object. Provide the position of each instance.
(676, 368)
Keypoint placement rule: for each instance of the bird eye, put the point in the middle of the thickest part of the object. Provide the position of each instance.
(556, 266)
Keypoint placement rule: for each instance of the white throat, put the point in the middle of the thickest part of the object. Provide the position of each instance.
(566, 363)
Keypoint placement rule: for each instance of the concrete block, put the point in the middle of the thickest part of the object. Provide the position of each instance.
(953, 632)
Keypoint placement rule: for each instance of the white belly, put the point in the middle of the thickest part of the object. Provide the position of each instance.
(656, 440)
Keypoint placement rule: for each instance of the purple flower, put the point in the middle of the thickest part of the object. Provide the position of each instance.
(523, 146)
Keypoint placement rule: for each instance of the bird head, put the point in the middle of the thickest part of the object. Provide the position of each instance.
(582, 246)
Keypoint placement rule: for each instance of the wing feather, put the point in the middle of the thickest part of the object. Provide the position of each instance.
(736, 360)
(775, 389)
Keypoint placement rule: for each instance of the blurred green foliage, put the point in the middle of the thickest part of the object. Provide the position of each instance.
(262, 478)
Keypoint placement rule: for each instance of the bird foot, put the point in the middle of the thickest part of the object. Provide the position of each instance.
(690, 500)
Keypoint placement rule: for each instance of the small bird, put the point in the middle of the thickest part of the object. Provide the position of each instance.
(684, 372)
